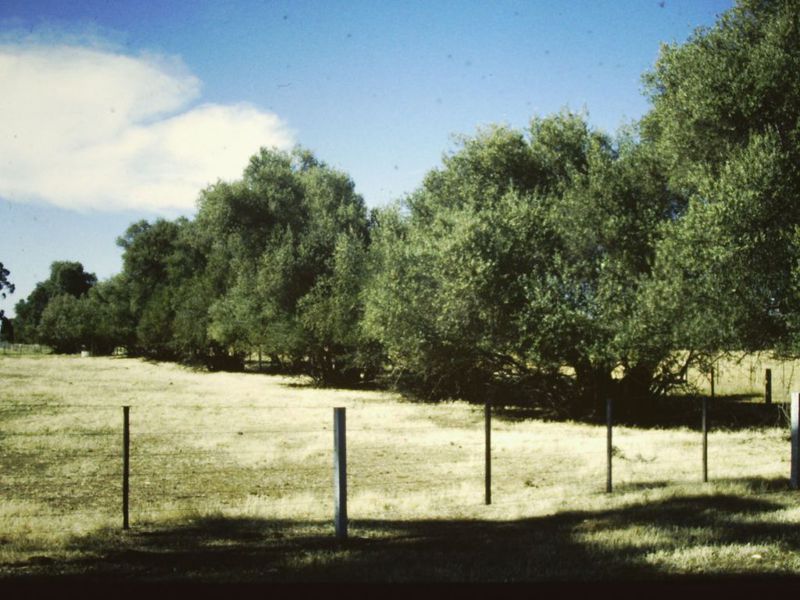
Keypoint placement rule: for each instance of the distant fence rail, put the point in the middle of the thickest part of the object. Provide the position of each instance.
(9, 348)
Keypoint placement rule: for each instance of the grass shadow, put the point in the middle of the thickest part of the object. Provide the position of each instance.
(703, 538)
(638, 486)
(724, 413)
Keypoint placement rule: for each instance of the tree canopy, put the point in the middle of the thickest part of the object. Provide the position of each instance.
(522, 255)
(726, 125)
(6, 287)
(66, 278)
(557, 262)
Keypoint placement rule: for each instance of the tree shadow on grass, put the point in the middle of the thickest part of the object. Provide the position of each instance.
(732, 412)
(724, 412)
(689, 538)
(729, 412)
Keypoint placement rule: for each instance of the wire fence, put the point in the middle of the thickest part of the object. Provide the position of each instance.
(66, 461)
(10, 348)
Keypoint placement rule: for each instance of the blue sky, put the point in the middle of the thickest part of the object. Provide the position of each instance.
(117, 111)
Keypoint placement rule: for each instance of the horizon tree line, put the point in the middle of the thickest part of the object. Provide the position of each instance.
(524, 252)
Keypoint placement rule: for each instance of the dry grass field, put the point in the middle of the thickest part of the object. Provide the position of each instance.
(231, 480)
(743, 377)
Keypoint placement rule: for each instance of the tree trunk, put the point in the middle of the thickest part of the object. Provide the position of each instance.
(594, 386)
(634, 397)
(637, 381)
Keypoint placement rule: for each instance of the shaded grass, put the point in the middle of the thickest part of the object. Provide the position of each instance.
(732, 412)
(719, 536)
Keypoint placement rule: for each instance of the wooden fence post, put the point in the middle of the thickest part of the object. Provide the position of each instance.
(340, 473)
(768, 387)
(126, 461)
(487, 413)
(609, 446)
(794, 478)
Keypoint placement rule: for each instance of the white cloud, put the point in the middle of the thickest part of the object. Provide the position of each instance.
(85, 127)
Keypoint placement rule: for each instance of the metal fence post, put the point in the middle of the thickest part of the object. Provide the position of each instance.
(609, 446)
(340, 473)
(126, 460)
(487, 413)
(704, 426)
(768, 387)
(794, 478)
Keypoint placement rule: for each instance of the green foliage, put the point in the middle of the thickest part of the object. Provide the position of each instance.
(255, 270)
(68, 324)
(526, 255)
(168, 291)
(6, 287)
(113, 317)
(725, 84)
(521, 255)
(278, 231)
(66, 278)
(149, 278)
(331, 315)
(726, 124)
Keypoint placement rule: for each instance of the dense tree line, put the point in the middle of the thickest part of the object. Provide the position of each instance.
(556, 262)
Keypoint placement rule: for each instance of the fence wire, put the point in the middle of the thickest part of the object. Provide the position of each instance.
(242, 459)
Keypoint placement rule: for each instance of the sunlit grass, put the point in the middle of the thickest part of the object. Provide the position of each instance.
(745, 375)
(243, 462)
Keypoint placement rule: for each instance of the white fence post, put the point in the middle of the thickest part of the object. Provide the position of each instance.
(340, 473)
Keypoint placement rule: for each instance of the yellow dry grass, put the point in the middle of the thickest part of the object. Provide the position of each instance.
(248, 446)
(745, 374)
